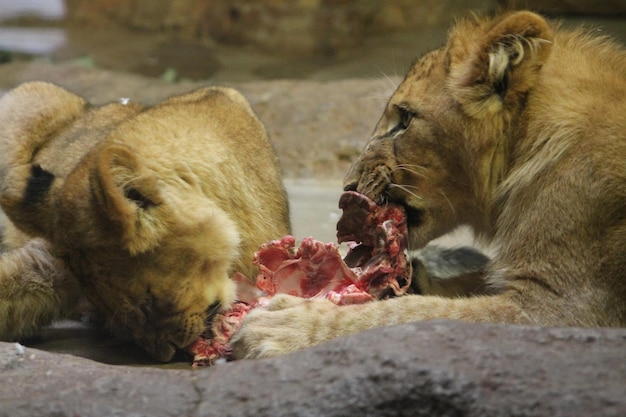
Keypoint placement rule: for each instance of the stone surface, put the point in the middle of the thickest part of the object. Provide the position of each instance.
(441, 368)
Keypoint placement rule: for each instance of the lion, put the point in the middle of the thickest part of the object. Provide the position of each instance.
(517, 128)
(147, 211)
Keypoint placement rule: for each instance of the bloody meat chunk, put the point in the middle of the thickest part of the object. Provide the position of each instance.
(213, 344)
(377, 241)
(375, 267)
(315, 269)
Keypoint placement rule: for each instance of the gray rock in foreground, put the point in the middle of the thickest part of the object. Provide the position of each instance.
(439, 368)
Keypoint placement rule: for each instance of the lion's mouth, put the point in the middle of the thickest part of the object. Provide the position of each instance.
(414, 216)
(209, 317)
(415, 219)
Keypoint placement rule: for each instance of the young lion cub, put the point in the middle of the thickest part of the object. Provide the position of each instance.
(518, 129)
(148, 211)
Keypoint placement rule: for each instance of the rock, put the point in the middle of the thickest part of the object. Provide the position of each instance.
(36, 383)
(442, 368)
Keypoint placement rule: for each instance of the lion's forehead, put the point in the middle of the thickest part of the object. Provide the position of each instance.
(416, 93)
(427, 77)
(425, 66)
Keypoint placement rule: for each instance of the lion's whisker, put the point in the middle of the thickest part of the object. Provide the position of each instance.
(449, 203)
(410, 186)
(409, 168)
(405, 189)
(367, 184)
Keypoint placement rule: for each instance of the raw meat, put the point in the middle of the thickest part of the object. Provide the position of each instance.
(213, 344)
(377, 241)
(375, 267)
(315, 269)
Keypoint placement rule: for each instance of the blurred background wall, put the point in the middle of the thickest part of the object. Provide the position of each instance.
(322, 26)
(239, 40)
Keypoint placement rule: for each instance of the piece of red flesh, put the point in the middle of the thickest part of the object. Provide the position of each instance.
(214, 345)
(377, 241)
(375, 267)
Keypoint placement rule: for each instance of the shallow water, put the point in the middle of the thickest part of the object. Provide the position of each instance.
(31, 41)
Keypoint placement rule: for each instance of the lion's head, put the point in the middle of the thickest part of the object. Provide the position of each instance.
(156, 261)
(443, 142)
(148, 206)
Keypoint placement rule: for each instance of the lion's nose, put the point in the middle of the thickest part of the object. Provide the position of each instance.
(351, 180)
(350, 185)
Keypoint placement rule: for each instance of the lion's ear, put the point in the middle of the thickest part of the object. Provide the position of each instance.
(29, 114)
(128, 195)
(501, 64)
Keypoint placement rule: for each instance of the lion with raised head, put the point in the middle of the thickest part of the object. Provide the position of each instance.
(518, 129)
(146, 210)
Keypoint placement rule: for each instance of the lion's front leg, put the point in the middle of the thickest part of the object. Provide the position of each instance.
(287, 324)
(290, 323)
(35, 289)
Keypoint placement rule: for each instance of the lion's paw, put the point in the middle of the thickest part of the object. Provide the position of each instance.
(286, 324)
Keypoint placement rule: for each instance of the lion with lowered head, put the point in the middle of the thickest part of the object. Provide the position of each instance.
(146, 210)
(518, 129)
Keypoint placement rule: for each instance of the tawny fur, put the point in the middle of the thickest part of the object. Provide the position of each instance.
(516, 128)
(148, 211)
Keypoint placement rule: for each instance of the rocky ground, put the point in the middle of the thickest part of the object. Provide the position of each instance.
(439, 368)
(318, 123)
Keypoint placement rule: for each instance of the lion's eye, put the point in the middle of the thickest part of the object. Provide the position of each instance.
(405, 117)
